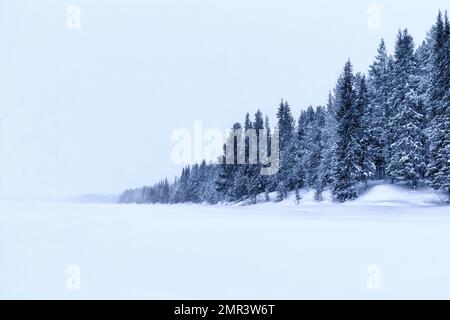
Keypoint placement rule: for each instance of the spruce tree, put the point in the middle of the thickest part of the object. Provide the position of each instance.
(347, 167)
(363, 122)
(271, 180)
(257, 182)
(329, 142)
(438, 169)
(378, 90)
(286, 128)
(407, 160)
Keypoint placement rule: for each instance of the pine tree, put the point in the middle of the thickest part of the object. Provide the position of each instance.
(438, 169)
(243, 177)
(407, 160)
(300, 148)
(210, 195)
(225, 184)
(329, 142)
(313, 154)
(378, 109)
(347, 167)
(286, 128)
(270, 181)
(363, 122)
(298, 196)
(257, 182)
(165, 191)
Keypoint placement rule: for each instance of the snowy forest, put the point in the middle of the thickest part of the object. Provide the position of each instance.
(392, 123)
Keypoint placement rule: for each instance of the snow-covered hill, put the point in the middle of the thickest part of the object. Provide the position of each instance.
(398, 195)
(378, 194)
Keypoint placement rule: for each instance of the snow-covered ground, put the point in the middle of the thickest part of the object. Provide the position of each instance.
(390, 243)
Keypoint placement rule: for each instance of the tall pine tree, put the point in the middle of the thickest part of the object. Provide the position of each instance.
(347, 168)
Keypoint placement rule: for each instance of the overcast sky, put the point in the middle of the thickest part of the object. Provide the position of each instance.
(92, 110)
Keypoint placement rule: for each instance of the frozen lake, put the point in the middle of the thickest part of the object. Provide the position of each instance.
(265, 251)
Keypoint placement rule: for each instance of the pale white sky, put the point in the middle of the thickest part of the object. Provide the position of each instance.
(92, 110)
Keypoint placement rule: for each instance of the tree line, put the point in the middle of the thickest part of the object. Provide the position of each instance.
(392, 123)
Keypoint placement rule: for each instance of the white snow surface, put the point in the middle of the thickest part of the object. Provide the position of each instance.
(264, 251)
